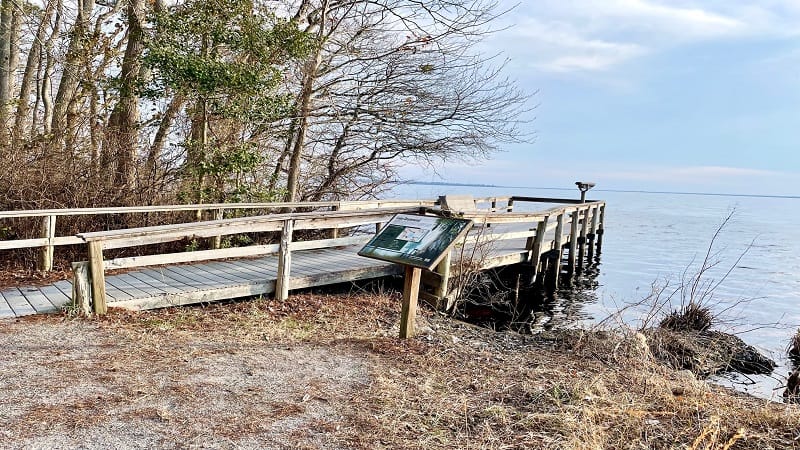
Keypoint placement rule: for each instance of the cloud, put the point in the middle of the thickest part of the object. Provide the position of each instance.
(704, 174)
(560, 48)
(588, 36)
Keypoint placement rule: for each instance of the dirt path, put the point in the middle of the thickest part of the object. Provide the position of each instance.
(327, 372)
(70, 384)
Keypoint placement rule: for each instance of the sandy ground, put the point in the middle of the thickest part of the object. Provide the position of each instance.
(327, 372)
(83, 384)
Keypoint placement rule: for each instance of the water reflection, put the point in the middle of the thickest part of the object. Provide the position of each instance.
(504, 302)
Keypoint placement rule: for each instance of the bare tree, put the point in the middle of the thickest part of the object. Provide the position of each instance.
(396, 81)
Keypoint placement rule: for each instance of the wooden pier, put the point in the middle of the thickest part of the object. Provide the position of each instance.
(313, 248)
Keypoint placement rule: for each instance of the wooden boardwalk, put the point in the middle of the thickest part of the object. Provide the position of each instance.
(500, 238)
(157, 287)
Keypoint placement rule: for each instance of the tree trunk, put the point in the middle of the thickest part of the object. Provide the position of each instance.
(6, 36)
(157, 147)
(46, 86)
(123, 130)
(312, 68)
(32, 65)
(73, 66)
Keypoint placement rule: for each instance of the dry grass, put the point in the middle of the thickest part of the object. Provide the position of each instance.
(328, 372)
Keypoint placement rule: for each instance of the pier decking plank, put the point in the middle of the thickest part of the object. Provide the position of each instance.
(18, 303)
(5, 308)
(38, 300)
(55, 295)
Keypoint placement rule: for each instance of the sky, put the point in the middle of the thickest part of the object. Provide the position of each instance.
(681, 95)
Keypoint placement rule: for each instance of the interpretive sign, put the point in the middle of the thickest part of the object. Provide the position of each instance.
(419, 241)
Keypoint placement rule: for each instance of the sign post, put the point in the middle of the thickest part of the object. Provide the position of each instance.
(408, 311)
(417, 242)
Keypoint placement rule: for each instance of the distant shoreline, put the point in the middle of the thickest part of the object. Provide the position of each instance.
(632, 191)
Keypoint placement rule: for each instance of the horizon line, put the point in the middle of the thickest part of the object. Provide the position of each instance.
(634, 191)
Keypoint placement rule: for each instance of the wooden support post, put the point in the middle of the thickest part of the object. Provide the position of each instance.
(46, 252)
(408, 311)
(600, 228)
(81, 292)
(573, 242)
(558, 248)
(537, 248)
(443, 269)
(216, 241)
(582, 238)
(510, 207)
(334, 231)
(284, 262)
(593, 232)
(494, 205)
(97, 277)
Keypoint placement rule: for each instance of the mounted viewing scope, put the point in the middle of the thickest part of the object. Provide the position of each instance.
(584, 186)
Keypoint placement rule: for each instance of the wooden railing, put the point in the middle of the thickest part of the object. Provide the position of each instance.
(578, 228)
(48, 239)
(574, 226)
(89, 276)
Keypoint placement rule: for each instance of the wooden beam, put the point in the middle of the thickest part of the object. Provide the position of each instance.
(98, 277)
(443, 269)
(408, 311)
(582, 238)
(334, 233)
(81, 291)
(573, 242)
(558, 248)
(183, 257)
(329, 243)
(46, 252)
(537, 249)
(284, 262)
(593, 231)
(216, 241)
(601, 228)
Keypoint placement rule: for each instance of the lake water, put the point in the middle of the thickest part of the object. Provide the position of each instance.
(656, 238)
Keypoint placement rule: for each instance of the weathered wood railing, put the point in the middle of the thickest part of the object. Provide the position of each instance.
(48, 239)
(572, 226)
(90, 275)
(578, 228)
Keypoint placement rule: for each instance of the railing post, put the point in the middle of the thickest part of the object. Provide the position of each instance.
(334, 231)
(559, 239)
(582, 238)
(442, 290)
(408, 310)
(593, 231)
(46, 252)
(600, 228)
(216, 241)
(98, 277)
(573, 242)
(284, 262)
(510, 207)
(81, 292)
(535, 254)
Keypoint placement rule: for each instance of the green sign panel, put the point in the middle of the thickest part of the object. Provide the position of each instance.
(419, 241)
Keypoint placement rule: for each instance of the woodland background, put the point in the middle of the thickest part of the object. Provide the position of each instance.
(139, 102)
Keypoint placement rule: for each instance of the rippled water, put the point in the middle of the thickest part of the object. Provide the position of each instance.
(654, 238)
